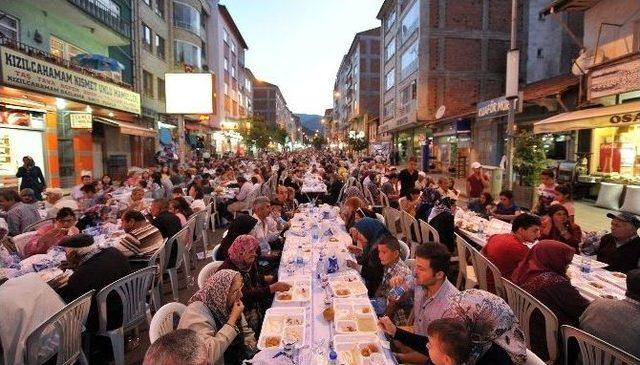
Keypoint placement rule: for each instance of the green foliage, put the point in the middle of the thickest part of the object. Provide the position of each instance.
(256, 132)
(529, 158)
(358, 144)
(318, 142)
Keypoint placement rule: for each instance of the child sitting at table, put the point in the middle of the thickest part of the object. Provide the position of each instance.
(395, 305)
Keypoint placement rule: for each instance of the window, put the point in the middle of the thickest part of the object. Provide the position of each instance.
(390, 21)
(62, 49)
(160, 47)
(389, 109)
(146, 37)
(147, 84)
(409, 60)
(161, 94)
(187, 53)
(109, 5)
(247, 84)
(159, 8)
(539, 53)
(410, 20)
(390, 49)
(233, 47)
(226, 88)
(148, 2)
(390, 79)
(226, 64)
(8, 26)
(225, 35)
(186, 17)
(233, 71)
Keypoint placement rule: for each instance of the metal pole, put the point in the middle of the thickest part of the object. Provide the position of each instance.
(512, 103)
(181, 141)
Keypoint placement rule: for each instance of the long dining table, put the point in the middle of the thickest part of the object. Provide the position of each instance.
(320, 335)
(596, 282)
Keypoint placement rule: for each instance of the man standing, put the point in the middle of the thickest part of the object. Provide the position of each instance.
(76, 192)
(477, 182)
(621, 248)
(19, 214)
(408, 176)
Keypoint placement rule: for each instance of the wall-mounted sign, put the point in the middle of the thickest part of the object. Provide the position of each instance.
(497, 107)
(625, 118)
(617, 78)
(31, 73)
(80, 120)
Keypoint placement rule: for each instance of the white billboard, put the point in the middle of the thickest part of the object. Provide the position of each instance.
(189, 93)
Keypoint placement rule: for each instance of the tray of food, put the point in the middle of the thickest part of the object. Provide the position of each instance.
(283, 325)
(359, 349)
(300, 291)
(354, 316)
(347, 285)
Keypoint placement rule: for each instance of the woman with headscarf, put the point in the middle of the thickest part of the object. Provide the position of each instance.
(243, 224)
(215, 314)
(441, 218)
(352, 191)
(542, 273)
(257, 293)
(32, 177)
(353, 210)
(430, 196)
(367, 233)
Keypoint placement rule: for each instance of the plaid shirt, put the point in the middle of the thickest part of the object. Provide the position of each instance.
(20, 216)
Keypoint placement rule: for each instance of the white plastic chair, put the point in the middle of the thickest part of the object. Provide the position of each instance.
(384, 199)
(163, 320)
(157, 260)
(68, 323)
(391, 217)
(410, 231)
(465, 271)
(132, 290)
(22, 239)
(199, 227)
(533, 359)
(179, 239)
(524, 305)
(404, 250)
(593, 350)
(411, 263)
(483, 268)
(428, 233)
(215, 252)
(208, 270)
(205, 229)
(380, 217)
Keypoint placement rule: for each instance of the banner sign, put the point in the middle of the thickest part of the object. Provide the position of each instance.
(614, 79)
(497, 107)
(20, 70)
(81, 120)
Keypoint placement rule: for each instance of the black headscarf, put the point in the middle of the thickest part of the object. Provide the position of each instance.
(243, 224)
(633, 284)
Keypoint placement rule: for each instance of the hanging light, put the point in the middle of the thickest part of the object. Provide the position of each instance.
(61, 103)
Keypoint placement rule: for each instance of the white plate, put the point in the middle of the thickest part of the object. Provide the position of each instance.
(299, 285)
(350, 349)
(280, 322)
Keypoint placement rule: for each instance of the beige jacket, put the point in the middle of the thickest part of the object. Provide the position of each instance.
(198, 318)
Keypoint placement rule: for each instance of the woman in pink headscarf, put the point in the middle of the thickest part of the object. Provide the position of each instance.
(257, 293)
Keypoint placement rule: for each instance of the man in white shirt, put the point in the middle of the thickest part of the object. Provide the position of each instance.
(76, 193)
(54, 202)
(262, 231)
(245, 189)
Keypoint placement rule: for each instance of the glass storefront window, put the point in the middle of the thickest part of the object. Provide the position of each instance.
(186, 17)
(616, 150)
(187, 53)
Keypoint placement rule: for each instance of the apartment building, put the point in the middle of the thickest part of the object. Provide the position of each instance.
(269, 104)
(440, 57)
(357, 87)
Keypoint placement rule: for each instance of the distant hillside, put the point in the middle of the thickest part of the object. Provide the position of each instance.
(311, 122)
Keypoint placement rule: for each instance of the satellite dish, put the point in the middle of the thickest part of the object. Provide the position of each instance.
(581, 65)
(440, 112)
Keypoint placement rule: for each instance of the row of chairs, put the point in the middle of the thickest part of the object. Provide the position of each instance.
(593, 350)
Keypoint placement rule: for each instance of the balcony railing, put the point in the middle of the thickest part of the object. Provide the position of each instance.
(199, 31)
(105, 16)
(48, 57)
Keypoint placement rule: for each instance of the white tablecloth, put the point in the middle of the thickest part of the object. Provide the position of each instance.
(318, 330)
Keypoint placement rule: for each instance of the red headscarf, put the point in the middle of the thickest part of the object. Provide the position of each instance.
(545, 256)
(240, 246)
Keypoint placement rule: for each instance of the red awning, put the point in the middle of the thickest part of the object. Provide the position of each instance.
(549, 87)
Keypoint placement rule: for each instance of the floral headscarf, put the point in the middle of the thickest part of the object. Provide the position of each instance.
(240, 246)
(352, 191)
(214, 293)
(490, 320)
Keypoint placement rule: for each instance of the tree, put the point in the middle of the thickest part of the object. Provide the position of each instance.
(358, 143)
(529, 158)
(318, 141)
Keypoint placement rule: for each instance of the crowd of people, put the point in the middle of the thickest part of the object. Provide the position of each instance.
(427, 317)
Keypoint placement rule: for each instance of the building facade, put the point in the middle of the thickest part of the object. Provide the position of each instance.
(269, 104)
(54, 105)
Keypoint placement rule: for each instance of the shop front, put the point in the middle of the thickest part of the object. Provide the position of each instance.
(60, 103)
(450, 147)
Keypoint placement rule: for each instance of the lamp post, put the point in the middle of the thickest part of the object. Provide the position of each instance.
(513, 60)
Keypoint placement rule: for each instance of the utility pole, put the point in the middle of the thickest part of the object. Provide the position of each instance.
(513, 100)
(182, 148)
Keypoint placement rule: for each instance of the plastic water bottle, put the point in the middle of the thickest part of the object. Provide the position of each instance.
(315, 234)
(585, 264)
(397, 292)
(299, 259)
(333, 358)
(320, 268)
(333, 265)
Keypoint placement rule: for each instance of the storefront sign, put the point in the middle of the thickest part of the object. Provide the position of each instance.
(497, 107)
(625, 118)
(20, 70)
(80, 120)
(614, 79)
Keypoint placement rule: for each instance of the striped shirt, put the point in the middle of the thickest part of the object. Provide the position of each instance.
(143, 241)
(427, 309)
(20, 216)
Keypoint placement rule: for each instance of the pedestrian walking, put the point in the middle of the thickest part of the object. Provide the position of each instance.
(31, 176)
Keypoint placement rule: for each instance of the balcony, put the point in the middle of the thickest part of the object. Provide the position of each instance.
(101, 13)
(189, 27)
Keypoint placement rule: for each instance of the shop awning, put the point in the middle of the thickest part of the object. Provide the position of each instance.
(128, 128)
(610, 116)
